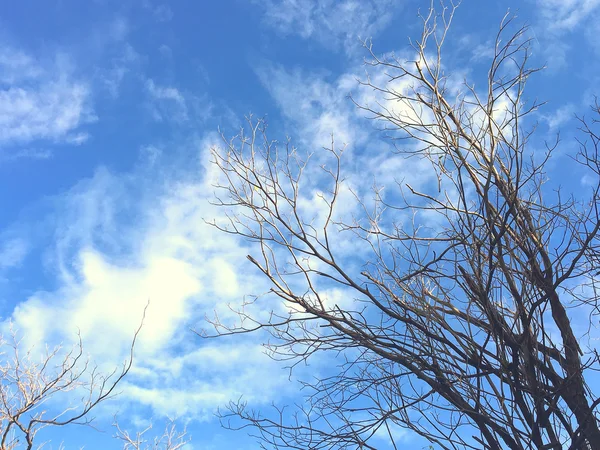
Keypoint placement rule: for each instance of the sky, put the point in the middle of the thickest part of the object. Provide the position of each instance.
(108, 111)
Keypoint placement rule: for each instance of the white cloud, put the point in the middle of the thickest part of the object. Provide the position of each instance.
(566, 14)
(167, 102)
(331, 22)
(108, 266)
(165, 93)
(318, 107)
(560, 117)
(12, 252)
(41, 102)
(121, 66)
(17, 66)
(195, 384)
(559, 18)
(121, 240)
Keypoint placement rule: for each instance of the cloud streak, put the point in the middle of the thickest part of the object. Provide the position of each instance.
(332, 23)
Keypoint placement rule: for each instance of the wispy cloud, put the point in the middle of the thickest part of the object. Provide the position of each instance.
(162, 13)
(41, 101)
(150, 154)
(214, 374)
(121, 65)
(166, 102)
(111, 54)
(566, 14)
(30, 153)
(560, 117)
(330, 22)
(317, 106)
(557, 19)
(17, 66)
(12, 252)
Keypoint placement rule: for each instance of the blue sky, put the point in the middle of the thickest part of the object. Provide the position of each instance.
(108, 110)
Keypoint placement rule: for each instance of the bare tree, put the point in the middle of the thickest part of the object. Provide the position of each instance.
(462, 327)
(170, 439)
(34, 389)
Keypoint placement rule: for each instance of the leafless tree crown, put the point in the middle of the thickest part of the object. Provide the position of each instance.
(461, 326)
(51, 388)
(170, 439)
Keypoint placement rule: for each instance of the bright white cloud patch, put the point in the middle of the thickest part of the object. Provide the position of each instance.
(41, 102)
(163, 253)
